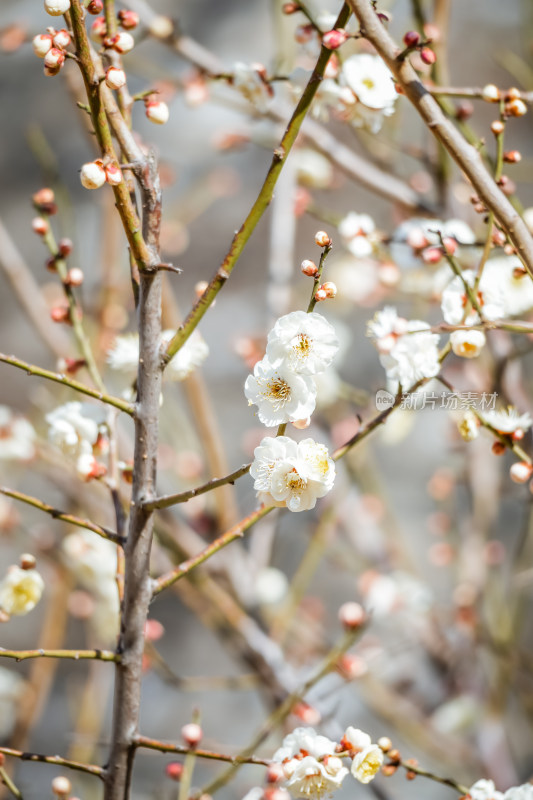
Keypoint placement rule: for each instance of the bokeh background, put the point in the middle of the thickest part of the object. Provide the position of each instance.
(444, 668)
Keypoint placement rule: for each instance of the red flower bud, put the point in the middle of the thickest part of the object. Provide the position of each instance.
(411, 38)
(428, 56)
(334, 39)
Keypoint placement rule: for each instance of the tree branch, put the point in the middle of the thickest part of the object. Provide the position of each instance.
(74, 655)
(168, 747)
(182, 497)
(90, 769)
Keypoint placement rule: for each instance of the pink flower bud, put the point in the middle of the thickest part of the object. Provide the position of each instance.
(450, 245)
(64, 247)
(123, 42)
(153, 630)
(431, 255)
(428, 56)
(74, 277)
(54, 59)
(320, 295)
(322, 239)
(61, 786)
(56, 7)
(516, 108)
(330, 289)
(334, 39)
(69, 366)
(518, 435)
(512, 156)
(98, 30)
(309, 268)
(115, 78)
(498, 448)
(27, 561)
(174, 770)
(192, 734)
(157, 111)
(128, 19)
(490, 93)
(411, 38)
(44, 200)
(352, 615)
(304, 33)
(40, 226)
(308, 714)
(290, 8)
(62, 39)
(92, 175)
(41, 44)
(95, 7)
(417, 239)
(521, 472)
(113, 174)
(389, 274)
(302, 424)
(60, 314)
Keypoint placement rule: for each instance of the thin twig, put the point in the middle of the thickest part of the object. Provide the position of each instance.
(90, 769)
(57, 377)
(6, 780)
(73, 655)
(182, 497)
(105, 533)
(168, 747)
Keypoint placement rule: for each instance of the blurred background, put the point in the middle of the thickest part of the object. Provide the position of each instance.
(424, 529)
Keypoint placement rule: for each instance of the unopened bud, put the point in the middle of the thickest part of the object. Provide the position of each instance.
(428, 56)
(309, 268)
(98, 30)
(520, 472)
(61, 786)
(291, 8)
(161, 27)
(92, 175)
(498, 448)
(27, 561)
(122, 42)
(431, 255)
(192, 734)
(95, 6)
(41, 44)
(385, 743)
(517, 435)
(334, 39)
(512, 94)
(464, 111)
(200, 288)
(490, 93)
(153, 630)
(351, 615)
(54, 59)
(417, 239)
(307, 713)
(330, 289)
(512, 156)
(157, 111)
(174, 770)
(51, 264)
(394, 756)
(115, 78)
(56, 7)
(322, 239)
(411, 38)
(389, 274)
(498, 237)
(320, 295)
(62, 39)
(74, 277)
(388, 769)
(113, 174)
(40, 226)
(60, 314)
(450, 245)
(128, 19)
(69, 366)
(516, 108)
(64, 247)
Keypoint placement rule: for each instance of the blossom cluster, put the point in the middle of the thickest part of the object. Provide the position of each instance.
(300, 346)
(312, 765)
(485, 790)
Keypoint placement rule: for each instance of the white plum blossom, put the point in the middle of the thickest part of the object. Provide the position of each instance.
(373, 85)
(304, 343)
(507, 274)
(280, 394)
(17, 437)
(508, 421)
(484, 790)
(331, 96)
(467, 343)
(312, 168)
(310, 765)
(20, 591)
(523, 792)
(408, 350)
(468, 426)
(123, 356)
(455, 299)
(368, 757)
(71, 431)
(356, 232)
(248, 80)
(292, 474)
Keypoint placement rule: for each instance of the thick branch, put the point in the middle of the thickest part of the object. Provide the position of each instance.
(105, 533)
(464, 154)
(57, 377)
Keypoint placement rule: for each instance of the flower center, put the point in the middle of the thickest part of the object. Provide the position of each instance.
(295, 483)
(368, 82)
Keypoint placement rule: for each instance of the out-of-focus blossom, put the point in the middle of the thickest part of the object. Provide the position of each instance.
(20, 591)
(72, 431)
(11, 689)
(356, 232)
(455, 299)
(249, 80)
(508, 421)
(17, 437)
(485, 790)
(124, 355)
(312, 168)
(467, 344)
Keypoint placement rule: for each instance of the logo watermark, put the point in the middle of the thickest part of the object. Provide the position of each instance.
(450, 401)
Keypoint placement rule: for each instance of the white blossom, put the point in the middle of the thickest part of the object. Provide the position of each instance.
(17, 437)
(303, 343)
(468, 426)
(20, 590)
(310, 765)
(467, 344)
(249, 82)
(124, 355)
(356, 231)
(373, 85)
(332, 97)
(506, 274)
(408, 350)
(270, 586)
(484, 790)
(367, 757)
(71, 431)
(312, 168)
(523, 792)
(413, 235)
(280, 394)
(508, 421)
(455, 299)
(293, 474)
